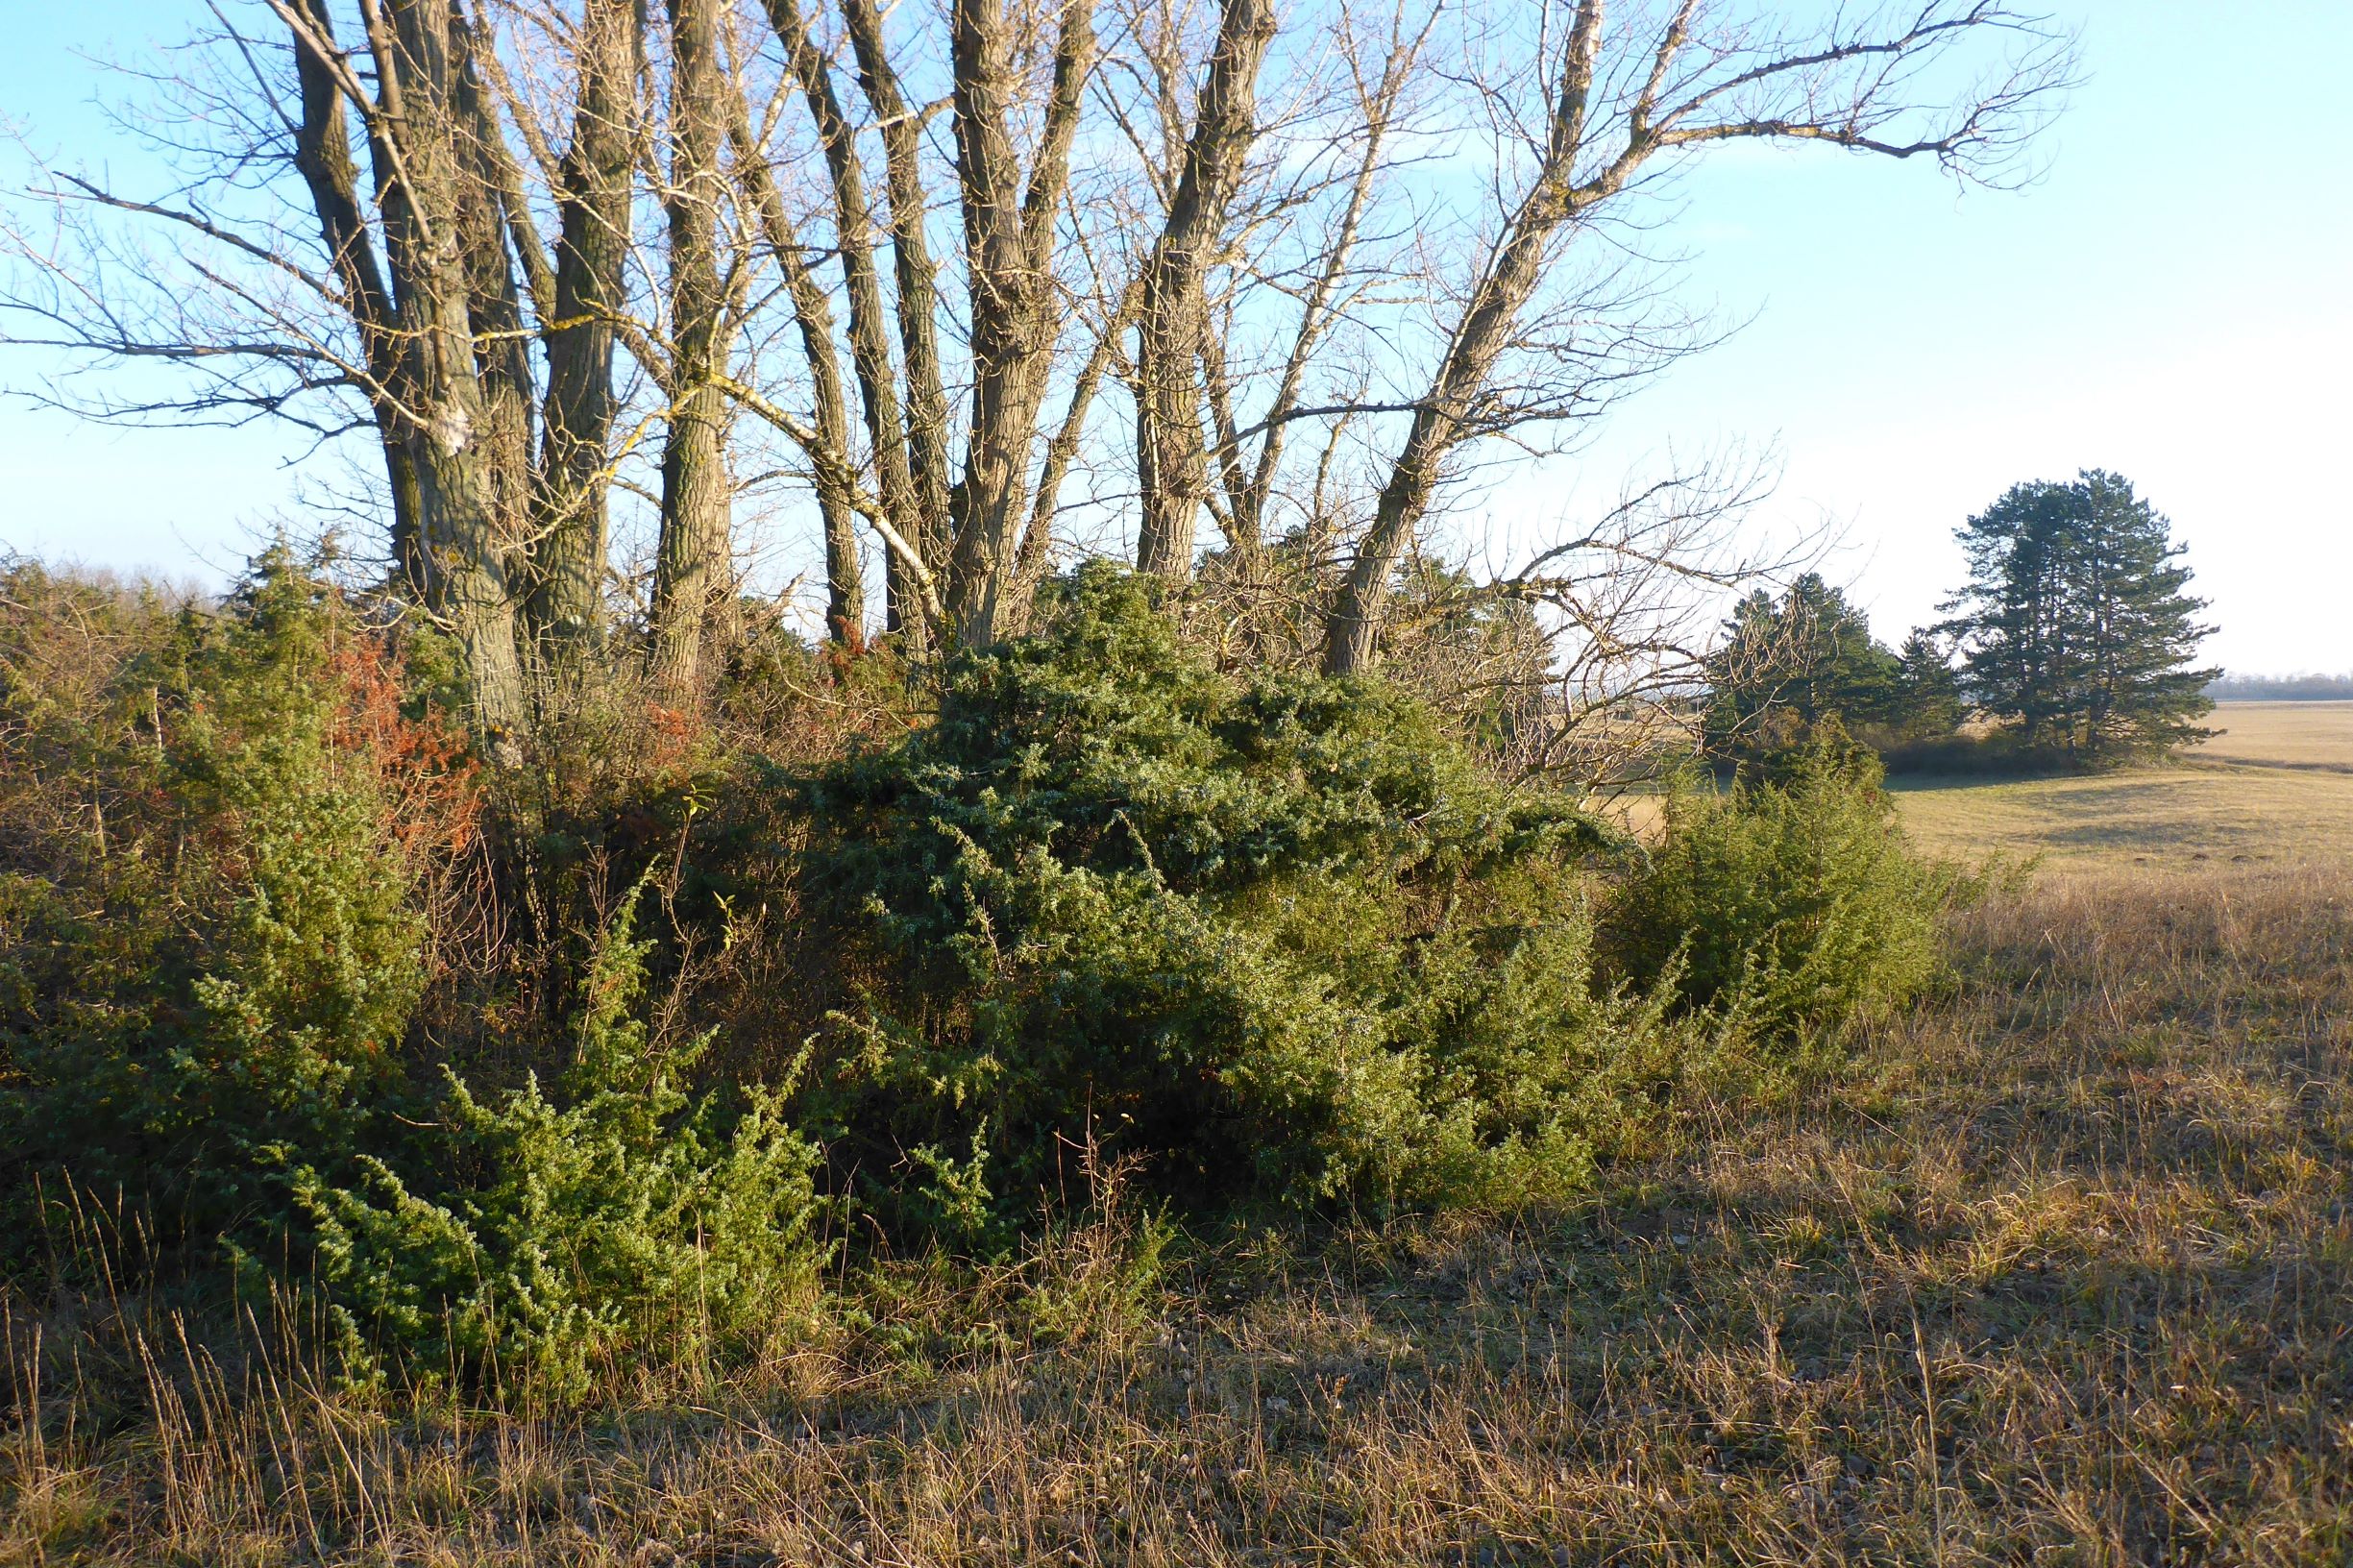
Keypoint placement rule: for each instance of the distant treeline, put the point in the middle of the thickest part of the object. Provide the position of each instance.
(2282, 688)
(2072, 644)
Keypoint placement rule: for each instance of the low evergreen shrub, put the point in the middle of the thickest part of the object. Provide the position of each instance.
(1279, 938)
(547, 1239)
(210, 947)
(1791, 907)
(1253, 939)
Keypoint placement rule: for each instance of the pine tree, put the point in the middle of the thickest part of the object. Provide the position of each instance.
(1788, 664)
(2076, 623)
(1928, 689)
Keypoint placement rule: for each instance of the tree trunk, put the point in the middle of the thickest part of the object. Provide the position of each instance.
(494, 307)
(845, 581)
(572, 520)
(323, 156)
(1172, 461)
(902, 145)
(1441, 421)
(1008, 244)
(694, 567)
(448, 424)
(869, 331)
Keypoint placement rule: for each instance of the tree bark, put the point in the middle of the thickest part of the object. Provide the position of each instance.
(1008, 232)
(869, 331)
(494, 307)
(1172, 457)
(420, 184)
(912, 272)
(845, 581)
(694, 567)
(572, 520)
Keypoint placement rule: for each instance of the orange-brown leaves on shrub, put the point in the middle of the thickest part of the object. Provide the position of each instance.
(672, 738)
(423, 769)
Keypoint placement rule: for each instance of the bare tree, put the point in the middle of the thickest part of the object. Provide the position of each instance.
(1171, 455)
(446, 413)
(870, 328)
(1611, 114)
(694, 586)
(1340, 257)
(594, 188)
(402, 298)
(813, 317)
(928, 433)
(1009, 228)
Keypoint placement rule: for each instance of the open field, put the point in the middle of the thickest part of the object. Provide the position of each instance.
(2275, 788)
(2057, 1272)
(2308, 735)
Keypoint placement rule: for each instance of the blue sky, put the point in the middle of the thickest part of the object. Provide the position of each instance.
(2169, 301)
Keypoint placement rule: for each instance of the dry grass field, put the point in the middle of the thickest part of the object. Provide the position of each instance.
(2060, 1271)
(2298, 735)
(2274, 787)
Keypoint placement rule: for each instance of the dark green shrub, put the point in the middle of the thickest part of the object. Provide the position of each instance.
(1277, 936)
(1790, 906)
(550, 1237)
(1984, 751)
(209, 949)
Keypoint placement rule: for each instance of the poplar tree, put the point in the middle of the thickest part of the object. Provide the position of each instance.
(600, 266)
(2078, 624)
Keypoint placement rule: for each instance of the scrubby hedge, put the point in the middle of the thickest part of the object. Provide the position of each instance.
(1789, 907)
(287, 975)
(622, 1217)
(214, 936)
(1279, 934)
(210, 940)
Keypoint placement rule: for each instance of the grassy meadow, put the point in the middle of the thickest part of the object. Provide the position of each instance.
(2058, 1270)
(2273, 787)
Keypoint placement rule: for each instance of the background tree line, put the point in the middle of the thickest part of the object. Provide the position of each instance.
(2306, 688)
(2073, 641)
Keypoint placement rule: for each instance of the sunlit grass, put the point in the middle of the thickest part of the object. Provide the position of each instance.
(2276, 788)
(2056, 1273)
(2281, 735)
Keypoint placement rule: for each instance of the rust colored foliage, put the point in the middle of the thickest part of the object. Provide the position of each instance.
(421, 765)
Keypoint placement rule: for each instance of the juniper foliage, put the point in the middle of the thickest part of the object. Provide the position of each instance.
(1278, 936)
(1790, 907)
(537, 1241)
(211, 959)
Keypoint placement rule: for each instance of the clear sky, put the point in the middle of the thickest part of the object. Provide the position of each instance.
(2173, 300)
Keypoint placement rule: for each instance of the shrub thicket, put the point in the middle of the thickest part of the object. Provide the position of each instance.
(1278, 935)
(1256, 937)
(210, 960)
(1789, 907)
(215, 930)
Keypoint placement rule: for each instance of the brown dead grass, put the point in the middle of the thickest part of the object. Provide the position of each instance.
(2276, 788)
(2058, 1273)
(2303, 735)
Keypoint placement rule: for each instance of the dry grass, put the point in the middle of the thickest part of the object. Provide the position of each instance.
(2313, 735)
(2275, 788)
(2059, 1273)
